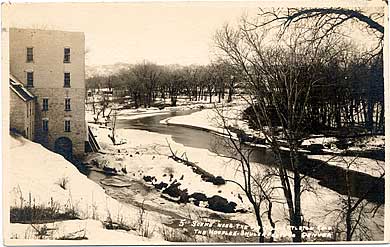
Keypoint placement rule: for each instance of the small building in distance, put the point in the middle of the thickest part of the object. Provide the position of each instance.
(51, 66)
(22, 109)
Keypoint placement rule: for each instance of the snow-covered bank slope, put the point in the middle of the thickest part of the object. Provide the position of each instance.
(210, 119)
(36, 173)
(145, 153)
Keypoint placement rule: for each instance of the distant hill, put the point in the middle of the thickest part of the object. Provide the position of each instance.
(91, 70)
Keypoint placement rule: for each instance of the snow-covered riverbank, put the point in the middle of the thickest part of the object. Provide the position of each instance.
(141, 112)
(210, 120)
(146, 154)
(41, 178)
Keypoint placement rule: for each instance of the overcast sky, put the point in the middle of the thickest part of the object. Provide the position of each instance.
(165, 33)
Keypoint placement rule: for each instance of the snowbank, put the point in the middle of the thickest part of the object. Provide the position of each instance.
(146, 154)
(36, 173)
(372, 167)
(182, 105)
(210, 119)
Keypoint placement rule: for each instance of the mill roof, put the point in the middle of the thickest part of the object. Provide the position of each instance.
(20, 89)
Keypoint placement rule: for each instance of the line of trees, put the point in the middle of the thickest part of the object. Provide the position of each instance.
(300, 79)
(303, 78)
(148, 84)
(352, 93)
(348, 93)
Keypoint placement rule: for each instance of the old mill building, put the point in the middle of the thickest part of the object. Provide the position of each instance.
(47, 88)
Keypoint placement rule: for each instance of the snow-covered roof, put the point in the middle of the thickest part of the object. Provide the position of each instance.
(20, 89)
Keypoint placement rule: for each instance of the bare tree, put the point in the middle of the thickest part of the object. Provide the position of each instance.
(352, 213)
(278, 78)
(143, 81)
(257, 185)
(327, 21)
(113, 127)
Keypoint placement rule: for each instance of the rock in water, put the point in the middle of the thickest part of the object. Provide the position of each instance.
(220, 204)
(173, 190)
(218, 180)
(199, 196)
(161, 185)
(148, 178)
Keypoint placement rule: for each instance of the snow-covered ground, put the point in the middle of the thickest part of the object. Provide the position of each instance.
(35, 177)
(372, 167)
(145, 153)
(182, 104)
(210, 119)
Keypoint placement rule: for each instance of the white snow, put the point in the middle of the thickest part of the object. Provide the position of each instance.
(36, 172)
(319, 140)
(365, 165)
(209, 119)
(146, 153)
(152, 160)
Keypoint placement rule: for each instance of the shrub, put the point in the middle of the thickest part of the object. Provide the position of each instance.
(174, 235)
(41, 231)
(119, 225)
(143, 226)
(32, 214)
(63, 182)
(145, 230)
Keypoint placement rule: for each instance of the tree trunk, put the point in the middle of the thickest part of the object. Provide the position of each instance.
(93, 106)
(348, 223)
(348, 214)
(260, 224)
(173, 100)
(297, 220)
(136, 103)
(150, 98)
(351, 113)
(338, 115)
(230, 95)
(272, 223)
(382, 117)
(357, 103)
(370, 114)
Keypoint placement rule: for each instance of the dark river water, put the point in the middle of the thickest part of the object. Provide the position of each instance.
(332, 177)
(192, 137)
(186, 136)
(329, 176)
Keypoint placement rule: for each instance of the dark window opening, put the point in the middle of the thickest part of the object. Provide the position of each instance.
(66, 55)
(30, 79)
(67, 104)
(67, 125)
(45, 104)
(45, 125)
(67, 79)
(30, 54)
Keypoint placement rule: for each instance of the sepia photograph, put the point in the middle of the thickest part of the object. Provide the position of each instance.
(194, 122)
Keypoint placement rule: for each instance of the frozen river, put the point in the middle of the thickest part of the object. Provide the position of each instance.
(331, 177)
